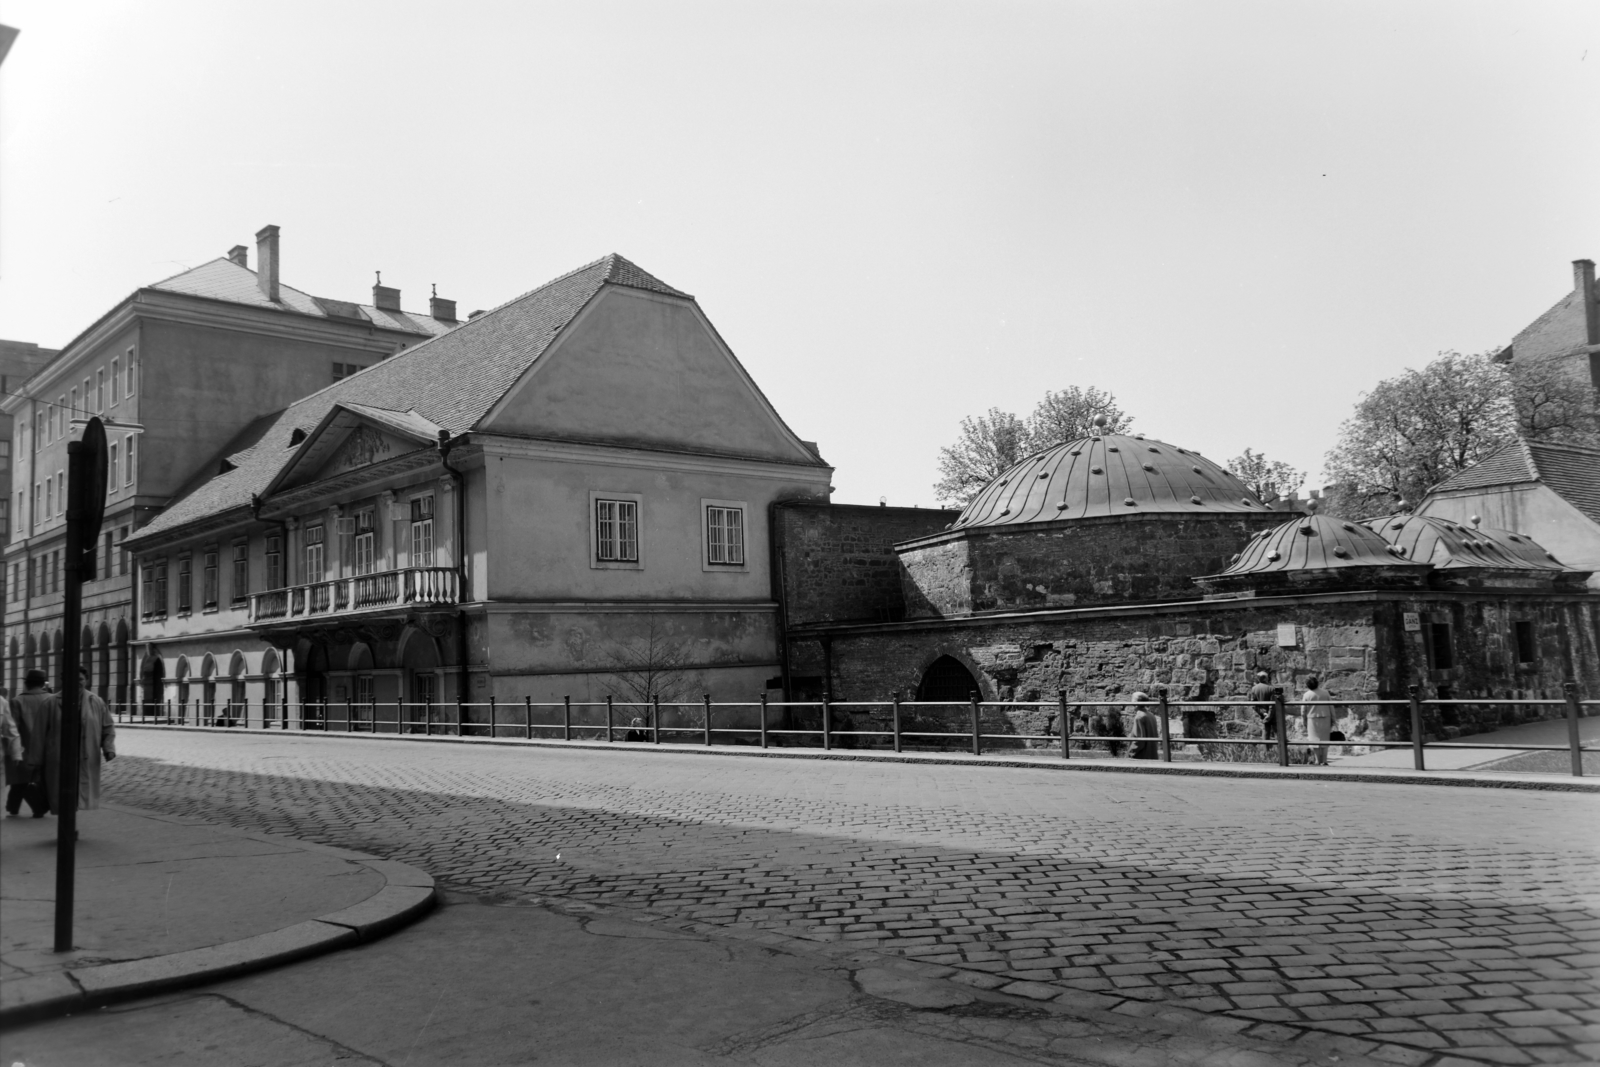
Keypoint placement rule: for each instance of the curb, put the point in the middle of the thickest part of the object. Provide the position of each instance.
(1553, 783)
(407, 894)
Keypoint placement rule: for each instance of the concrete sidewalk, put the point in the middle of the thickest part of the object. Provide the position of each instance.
(1486, 748)
(163, 902)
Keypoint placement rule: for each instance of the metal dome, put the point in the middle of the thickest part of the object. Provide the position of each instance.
(1315, 543)
(1447, 544)
(1111, 474)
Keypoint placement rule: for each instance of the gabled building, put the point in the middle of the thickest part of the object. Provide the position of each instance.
(1567, 335)
(178, 369)
(564, 496)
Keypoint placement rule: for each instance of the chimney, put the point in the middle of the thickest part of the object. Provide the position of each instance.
(267, 262)
(440, 308)
(1583, 282)
(384, 297)
(241, 255)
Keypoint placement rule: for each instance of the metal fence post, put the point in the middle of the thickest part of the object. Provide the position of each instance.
(706, 701)
(610, 734)
(763, 719)
(399, 715)
(655, 717)
(1166, 730)
(1280, 722)
(977, 742)
(566, 718)
(1416, 726)
(1066, 724)
(527, 715)
(897, 720)
(460, 719)
(1570, 690)
(827, 733)
(494, 717)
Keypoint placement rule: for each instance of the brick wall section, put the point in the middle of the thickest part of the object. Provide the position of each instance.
(1118, 560)
(1357, 645)
(837, 561)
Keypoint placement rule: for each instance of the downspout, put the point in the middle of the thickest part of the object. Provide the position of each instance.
(446, 443)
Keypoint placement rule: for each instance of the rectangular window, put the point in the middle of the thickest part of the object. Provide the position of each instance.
(31, 586)
(55, 572)
(61, 492)
(422, 531)
(1527, 652)
(61, 417)
(1440, 654)
(274, 563)
(153, 590)
(111, 470)
(5, 518)
(38, 516)
(725, 535)
(185, 586)
(127, 460)
(5, 454)
(49, 497)
(344, 370)
(111, 554)
(116, 369)
(84, 410)
(16, 573)
(127, 385)
(122, 554)
(100, 390)
(364, 542)
(616, 531)
(208, 582)
(241, 573)
(75, 412)
(314, 557)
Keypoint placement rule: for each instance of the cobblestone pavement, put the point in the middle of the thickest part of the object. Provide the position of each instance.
(1430, 925)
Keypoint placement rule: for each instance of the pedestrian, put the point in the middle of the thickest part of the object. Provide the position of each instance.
(1264, 695)
(1318, 719)
(10, 743)
(36, 714)
(1110, 727)
(635, 730)
(1145, 728)
(97, 741)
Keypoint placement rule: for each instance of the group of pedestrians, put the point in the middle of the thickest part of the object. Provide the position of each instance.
(30, 734)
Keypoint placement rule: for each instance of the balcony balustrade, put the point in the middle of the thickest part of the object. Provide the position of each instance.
(363, 592)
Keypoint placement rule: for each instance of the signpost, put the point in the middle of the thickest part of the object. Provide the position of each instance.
(86, 507)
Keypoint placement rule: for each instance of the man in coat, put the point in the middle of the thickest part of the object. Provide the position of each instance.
(1146, 729)
(98, 739)
(37, 713)
(1263, 695)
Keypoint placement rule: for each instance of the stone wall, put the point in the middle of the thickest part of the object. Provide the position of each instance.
(837, 561)
(1119, 560)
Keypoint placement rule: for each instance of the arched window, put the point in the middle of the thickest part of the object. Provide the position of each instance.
(123, 662)
(208, 689)
(102, 672)
(946, 679)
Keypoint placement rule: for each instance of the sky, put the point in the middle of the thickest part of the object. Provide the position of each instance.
(1234, 216)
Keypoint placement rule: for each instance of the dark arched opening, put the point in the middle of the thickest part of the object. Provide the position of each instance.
(947, 679)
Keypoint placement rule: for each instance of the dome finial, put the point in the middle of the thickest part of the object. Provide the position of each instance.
(1100, 422)
(1311, 505)
(1475, 520)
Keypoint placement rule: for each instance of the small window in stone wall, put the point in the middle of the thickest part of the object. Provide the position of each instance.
(1527, 651)
(1441, 657)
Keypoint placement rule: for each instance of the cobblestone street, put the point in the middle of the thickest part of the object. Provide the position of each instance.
(1430, 925)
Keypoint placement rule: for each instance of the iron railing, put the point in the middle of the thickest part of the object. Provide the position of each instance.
(833, 724)
(411, 585)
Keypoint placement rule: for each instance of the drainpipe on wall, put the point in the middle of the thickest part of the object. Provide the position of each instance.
(446, 443)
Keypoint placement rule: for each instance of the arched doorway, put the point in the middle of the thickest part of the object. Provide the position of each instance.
(180, 674)
(123, 662)
(363, 710)
(208, 690)
(270, 709)
(947, 679)
(86, 658)
(153, 676)
(102, 672)
(238, 699)
(419, 658)
(313, 684)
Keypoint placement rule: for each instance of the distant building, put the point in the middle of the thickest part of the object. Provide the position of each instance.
(18, 361)
(568, 495)
(1567, 335)
(191, 361)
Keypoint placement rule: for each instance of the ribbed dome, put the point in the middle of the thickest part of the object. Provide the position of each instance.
(1113, 474)
(1315, 542)
(1447, 544)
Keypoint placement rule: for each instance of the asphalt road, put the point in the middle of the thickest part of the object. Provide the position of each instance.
(1440, 924)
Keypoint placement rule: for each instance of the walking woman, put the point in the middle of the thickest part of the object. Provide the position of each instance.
(1318, 719)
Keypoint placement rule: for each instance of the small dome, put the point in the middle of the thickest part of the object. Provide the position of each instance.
(1447, 544)
(1112, 474)
(1314, 542)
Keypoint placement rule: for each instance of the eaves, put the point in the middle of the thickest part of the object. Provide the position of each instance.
(369, 480)
(216, 522)
(606, 453)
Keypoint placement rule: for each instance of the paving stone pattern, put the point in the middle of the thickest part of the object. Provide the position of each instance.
(1430, 925)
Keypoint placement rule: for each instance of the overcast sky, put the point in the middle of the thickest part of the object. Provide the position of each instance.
(1233, 216)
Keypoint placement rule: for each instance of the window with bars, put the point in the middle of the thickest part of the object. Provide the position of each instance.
(365, 542)
(100, 390)
(274, 563)
(422, 531)
(241, 573)
(616, 531)
(185, 585)
(725, 535)
(315, 570)
(116, 369)
(153, 590)
(127, 460)
(111, 470)
(209, 582)
(128, 382)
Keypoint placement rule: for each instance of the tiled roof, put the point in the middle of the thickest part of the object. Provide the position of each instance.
(223, 279)
(1571, 471)
(451, 380)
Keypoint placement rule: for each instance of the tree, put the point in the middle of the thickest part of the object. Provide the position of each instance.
(654, 665)
(1268, 479)
(1413, 431)
(988, 445)
(1553, 403)
(1068, 415)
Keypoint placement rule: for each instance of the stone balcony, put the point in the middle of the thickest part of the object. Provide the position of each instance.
(411, 587)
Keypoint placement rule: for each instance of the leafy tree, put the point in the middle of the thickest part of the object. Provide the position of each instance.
(1554, 404)
(654, 665)
(1068, 414)
(988, 445)
(1413, 431)
(1268, 479)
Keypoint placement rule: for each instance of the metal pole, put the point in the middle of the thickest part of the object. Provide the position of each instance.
(827, 734)
(1416, 726)
(706, 700)
(566, 718)
(897, 721)
(1570, 690)
(527, 715)
(1166, 730)
(763, 719)
(655, 717)
(459, 718)
(977, 742)
(1281, 722)
(66, 800)
(494, 725)
(1066, 724)
(609, 734)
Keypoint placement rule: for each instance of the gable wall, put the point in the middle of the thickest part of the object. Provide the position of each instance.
(1531, 509)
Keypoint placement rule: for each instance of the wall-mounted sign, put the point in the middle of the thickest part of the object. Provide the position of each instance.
(1413, 622)
(1286, 635)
